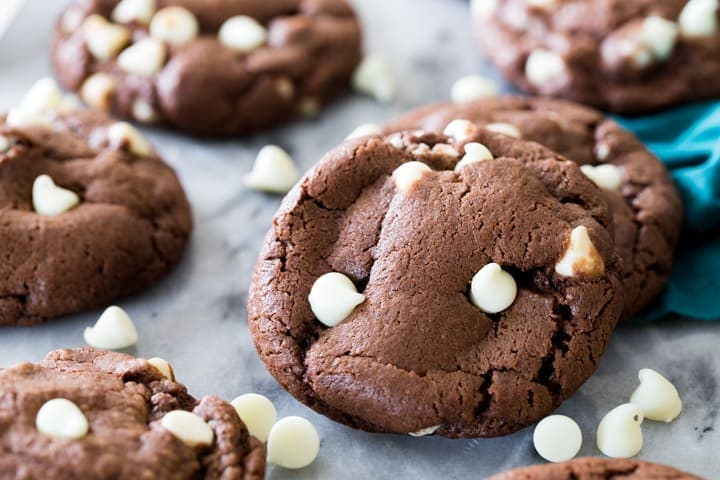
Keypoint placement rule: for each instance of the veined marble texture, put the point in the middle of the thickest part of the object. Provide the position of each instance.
(196, 317)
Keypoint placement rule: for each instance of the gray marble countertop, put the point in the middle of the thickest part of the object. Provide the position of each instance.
(196, 317)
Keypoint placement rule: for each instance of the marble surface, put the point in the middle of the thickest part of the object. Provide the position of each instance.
(196, 317)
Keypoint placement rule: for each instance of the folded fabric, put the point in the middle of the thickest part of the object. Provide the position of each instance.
(687, 140)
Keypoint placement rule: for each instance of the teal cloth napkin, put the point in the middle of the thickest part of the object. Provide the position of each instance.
(687, 140)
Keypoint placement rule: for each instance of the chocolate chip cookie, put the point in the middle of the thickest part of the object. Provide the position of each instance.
(88, 213)
(208, 68)
(625, 56)
(408, 287)
(646, 206)
(596, 469)
(94, 414)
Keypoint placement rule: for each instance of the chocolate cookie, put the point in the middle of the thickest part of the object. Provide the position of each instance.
(646, 206)
(626, 56)
(120, 417)
(209, 68)
(88, 213)
(596, 469)
(480, 307)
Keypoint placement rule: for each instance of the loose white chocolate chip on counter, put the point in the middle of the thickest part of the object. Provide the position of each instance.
(242, 33)
(364, 130)
(619, 434)
(605, 176)
(505, 129)
(49, 200)
(192, 430)
(474, 152)
(544, 67)
(581, 257)
(113, 330)
(61, 419)
(374, 77)
(699, 18)
(656, 397)
(174, 25)
(459, 129)
(97, 90)
(425, 431)
(163, 367)
(492, 289)
(257, 413)
(104, 39)
(123, 135)
(407, 175)
(273, 171)
(144, 58)
(472, 87)
(557, 438)
(140, 11)
(293, 443)
(333, 297)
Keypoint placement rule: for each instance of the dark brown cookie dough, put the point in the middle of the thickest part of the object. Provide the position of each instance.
(604, 52)
(129, 229)
(417, 353)
(205, 87)
(123, 398)
(647, 209)
(596, 469)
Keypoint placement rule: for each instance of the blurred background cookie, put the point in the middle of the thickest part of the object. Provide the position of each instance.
(596, 469)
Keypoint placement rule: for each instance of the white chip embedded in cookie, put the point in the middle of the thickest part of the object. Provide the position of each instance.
(242, 33)
(606, 175)
(144, 58)
(44, 96)
(128, 11)
(113, 330)
(163, 367)
(493, 289)
(49, 199)
(174, 25)
(407, 175)
(364, 130)
(192, 430)
(459, 129)
(505, 129)
(474, 152)
(124, 135)
(699, 18)
(293, 443)
(62, 419)
(98, 89)
(104, 39)
(333, 297)
(544, 67)
(581, 257)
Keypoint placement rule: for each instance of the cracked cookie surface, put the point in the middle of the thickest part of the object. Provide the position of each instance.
(603, 53)
(205, 87)
(129, 229)
(646, 207)
(417, 354)
(124, 399)
(596, 469)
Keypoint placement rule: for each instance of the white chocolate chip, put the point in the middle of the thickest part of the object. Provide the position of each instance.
(445, 150)
(163, 367)
(492, 289)
(459, 129)
(605, 175)
(192, 430)
(474, 152)
(659, 35)
(70, 102)
(699, 18)
(581, 256)
(293, 443)
(285, 87)
(374, 77)
(333, 297)
(656, 396)
(483, 9)
(557, 438)
(128, 11)
(143, 112)
(43, 96)
(619, 434)
(504, 128)
(18, 118)
(407, 175)
(544, 67)
(543, 4)
(364, 130)
(97, 90)
(602, 151)
(273, 171)
(123, 135)
(242, 33)
(308, 107)
(257, 413)
(472, 87)
(144, 58)
(71, 20)
(174, 25)
(49, 199)
(104, 39)
(61, 419)
(397, 141)
(113, 330)
(5, 143)
(425, 431)
(420, 150)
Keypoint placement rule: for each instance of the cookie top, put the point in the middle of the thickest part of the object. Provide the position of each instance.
(463, 325)
(125, 401)
(591, 468)
(626, 56)
(128, 225)
(209, 68)
(646, 206)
